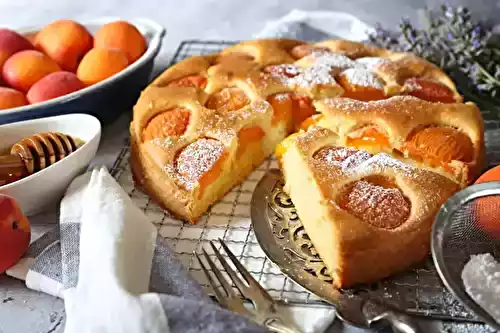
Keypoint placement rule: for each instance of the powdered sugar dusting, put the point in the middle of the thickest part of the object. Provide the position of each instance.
(325, 66)
(333, 60)
(283, 71)
(481, 278)
(363, 78)
(381, 161)
(370, 62)
(379, 206)
(314, 75)
(411, 85)
(347, 105)
(164, 143)
(345, 158)
(196, 159)
(281, 97)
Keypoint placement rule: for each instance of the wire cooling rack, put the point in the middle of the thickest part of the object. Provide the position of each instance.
(229, 220)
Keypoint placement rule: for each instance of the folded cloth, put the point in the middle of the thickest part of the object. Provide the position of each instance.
(313, 26)
(113, 270)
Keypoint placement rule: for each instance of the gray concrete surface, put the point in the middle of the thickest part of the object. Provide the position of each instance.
(25, 311)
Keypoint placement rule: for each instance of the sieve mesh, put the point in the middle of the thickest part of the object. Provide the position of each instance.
(468, 225)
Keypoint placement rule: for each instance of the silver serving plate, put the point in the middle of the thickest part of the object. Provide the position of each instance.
(284, 241)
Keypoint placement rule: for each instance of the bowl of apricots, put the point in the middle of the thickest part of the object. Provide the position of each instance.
(97, 67)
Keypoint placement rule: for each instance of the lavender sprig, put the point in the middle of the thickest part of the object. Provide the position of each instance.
(453, 41)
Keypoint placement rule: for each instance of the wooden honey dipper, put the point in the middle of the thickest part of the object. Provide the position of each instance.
(34, 153)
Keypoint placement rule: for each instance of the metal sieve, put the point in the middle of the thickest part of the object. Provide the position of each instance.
(468, 224)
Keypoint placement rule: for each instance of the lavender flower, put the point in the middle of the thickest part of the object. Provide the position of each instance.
(453, 41)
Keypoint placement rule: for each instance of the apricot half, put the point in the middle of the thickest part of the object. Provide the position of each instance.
(361, 84)
(201, 162)
(377, 202)
(248, 136)
(195, 81)
(369, 137)
(169, 123)
(429, 90)
(228, 99)
(439, 145)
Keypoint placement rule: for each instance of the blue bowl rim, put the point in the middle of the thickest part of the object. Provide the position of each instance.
(153, 32)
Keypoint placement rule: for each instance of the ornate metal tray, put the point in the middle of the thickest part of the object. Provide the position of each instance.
(283, 239)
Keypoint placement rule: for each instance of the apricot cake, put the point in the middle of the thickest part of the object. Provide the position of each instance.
(368, 215)
(205, 123)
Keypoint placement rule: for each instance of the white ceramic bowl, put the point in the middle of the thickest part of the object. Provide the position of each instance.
(45, 188)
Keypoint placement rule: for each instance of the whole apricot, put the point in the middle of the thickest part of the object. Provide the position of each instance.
(15, 232)
(11, 98)
(65, 41)
(486, 209)
(25, 68)
(54, 85)
(99, 64)
(123, 36)
(10, 43)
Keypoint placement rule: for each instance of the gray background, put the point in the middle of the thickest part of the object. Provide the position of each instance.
(24, 311)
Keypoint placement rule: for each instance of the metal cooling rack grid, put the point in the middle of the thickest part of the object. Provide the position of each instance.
(229, 220)
(420, 290)
(190, 48)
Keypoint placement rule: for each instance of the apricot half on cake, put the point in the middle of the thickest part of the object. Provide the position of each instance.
(361, 84)
(228, 99)
(195, 81)
(200, 162)
(439, 145)
(169, 123)
(429, 90)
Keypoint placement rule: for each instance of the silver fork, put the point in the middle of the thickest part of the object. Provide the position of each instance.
(264, 311)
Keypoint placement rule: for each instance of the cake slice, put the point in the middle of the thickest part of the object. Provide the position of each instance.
(367, 215)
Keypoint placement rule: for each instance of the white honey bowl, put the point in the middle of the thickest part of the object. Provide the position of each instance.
(46, 187)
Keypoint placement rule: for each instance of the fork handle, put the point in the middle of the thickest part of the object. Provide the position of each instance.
(276, 326)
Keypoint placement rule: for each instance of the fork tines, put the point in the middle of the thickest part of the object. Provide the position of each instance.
(246, 284)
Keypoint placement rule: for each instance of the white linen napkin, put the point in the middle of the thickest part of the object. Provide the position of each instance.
(107, 290)
(314, 26)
